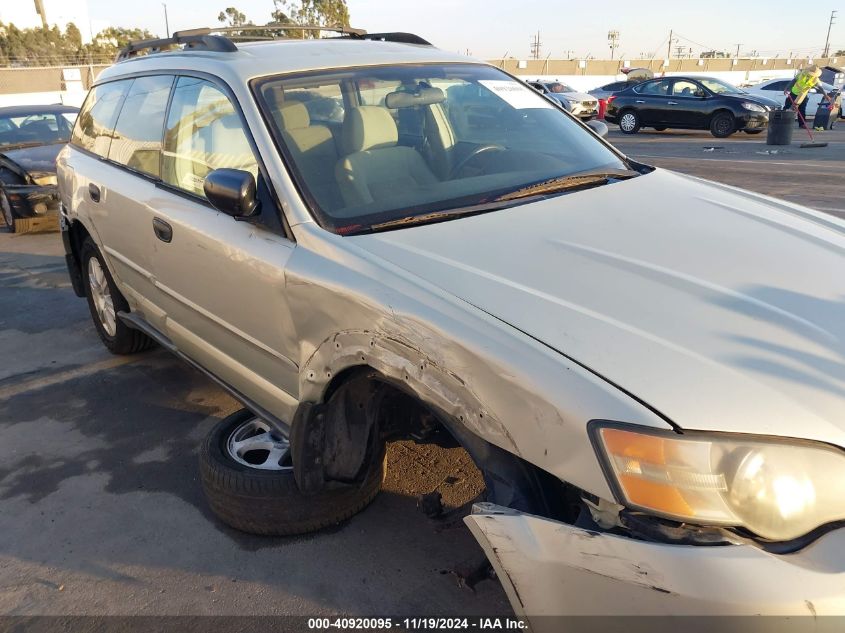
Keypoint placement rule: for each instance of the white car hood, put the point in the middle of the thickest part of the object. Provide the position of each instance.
(722, 309)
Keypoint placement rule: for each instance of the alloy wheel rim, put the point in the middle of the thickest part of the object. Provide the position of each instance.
(255, 444)
(628, 122)
(101, 295)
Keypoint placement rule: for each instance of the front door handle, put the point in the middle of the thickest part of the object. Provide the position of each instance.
(94, 192)
(638, 101)
(671, 103)
(162, 229)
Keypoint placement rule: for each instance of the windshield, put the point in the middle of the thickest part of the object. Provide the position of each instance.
(371, 146)
(35, 128)
(719, 87)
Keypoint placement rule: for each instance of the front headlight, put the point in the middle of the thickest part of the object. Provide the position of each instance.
(44, 179)
(753, 107)
(778, 489)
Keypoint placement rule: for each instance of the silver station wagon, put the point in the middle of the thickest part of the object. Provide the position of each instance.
(365, 238)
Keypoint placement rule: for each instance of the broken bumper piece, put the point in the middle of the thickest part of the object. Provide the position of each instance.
(549, 568)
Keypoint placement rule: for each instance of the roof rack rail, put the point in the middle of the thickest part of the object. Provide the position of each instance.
(398, 37)
(215, 39)
(194, 39)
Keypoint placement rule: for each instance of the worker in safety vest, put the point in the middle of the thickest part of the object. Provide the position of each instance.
(797, 90)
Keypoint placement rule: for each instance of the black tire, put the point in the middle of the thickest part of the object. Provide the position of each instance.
(124, 340)
(660, 128)
(268, 502)
(631, 120)
(6, 209)
(722, 125)
(753, 131)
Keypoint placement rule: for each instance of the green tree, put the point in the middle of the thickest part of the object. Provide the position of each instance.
(311, 12)
(232, 17)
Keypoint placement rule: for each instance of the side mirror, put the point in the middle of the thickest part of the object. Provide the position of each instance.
(231, 191)
(599, 128)
(700, 93)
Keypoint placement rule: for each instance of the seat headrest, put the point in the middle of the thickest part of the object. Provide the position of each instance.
(368, 127)
(294, 116)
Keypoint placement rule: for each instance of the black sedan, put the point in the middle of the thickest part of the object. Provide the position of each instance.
(693, 103)
(30, 139)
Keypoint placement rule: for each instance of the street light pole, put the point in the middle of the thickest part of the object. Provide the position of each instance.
(166, 23)
(827, 41)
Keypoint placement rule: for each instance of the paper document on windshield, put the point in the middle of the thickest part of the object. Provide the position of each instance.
(515, 94)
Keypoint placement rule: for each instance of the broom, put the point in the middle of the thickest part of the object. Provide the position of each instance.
(812, 142)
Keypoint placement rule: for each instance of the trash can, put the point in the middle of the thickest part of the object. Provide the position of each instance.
(781, 124)
(826, 116)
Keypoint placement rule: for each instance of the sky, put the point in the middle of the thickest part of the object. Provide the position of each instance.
(492, 29)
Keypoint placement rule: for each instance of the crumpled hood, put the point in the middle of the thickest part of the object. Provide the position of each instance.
(723, 310)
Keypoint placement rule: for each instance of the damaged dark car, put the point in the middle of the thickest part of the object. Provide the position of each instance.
(30, 139)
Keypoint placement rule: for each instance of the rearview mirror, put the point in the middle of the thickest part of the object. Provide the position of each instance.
(599, 128)
(231, 191)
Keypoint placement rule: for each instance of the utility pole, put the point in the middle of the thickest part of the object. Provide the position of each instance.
(827, 41)
(536, 46)
(613, 42)
(737, 50)
(166, 23)
(669, 46)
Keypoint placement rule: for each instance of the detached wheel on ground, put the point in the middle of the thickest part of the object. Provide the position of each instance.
(722, 124)
(660, 128)
(105, 301)
(6, 208)
(629, 122)
(247, 475)
(753, 131)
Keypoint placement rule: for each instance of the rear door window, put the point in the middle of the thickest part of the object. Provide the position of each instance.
(95, 124)
(140, 125)
(203, 133)
(654, 88)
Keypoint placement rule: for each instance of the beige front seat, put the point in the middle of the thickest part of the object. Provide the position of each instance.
(314, 152)
(376, 168)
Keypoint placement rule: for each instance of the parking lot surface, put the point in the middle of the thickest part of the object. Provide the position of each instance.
(812, 177)
(102, 511)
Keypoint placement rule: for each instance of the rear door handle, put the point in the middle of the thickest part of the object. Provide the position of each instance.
(638, 101)
(94, 192)
(671, 103)
(162, 229)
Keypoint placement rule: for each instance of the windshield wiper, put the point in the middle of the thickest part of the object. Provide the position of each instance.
(567, 183)
(436, 216)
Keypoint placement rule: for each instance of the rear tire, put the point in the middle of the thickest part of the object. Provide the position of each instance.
(250, 486)
(722, 125)
(629, 122)
(6, 208)
(105, 301)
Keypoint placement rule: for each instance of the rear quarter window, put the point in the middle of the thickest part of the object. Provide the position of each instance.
(95, 124)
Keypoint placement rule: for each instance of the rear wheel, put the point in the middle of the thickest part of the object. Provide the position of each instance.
(6, 207)
(722, 125)
(105, 301)
(247, 475)
(629, 122)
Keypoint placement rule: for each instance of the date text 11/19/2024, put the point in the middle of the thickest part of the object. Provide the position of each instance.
(418, 624)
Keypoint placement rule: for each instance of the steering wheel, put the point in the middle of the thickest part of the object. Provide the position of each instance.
(481, 149)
